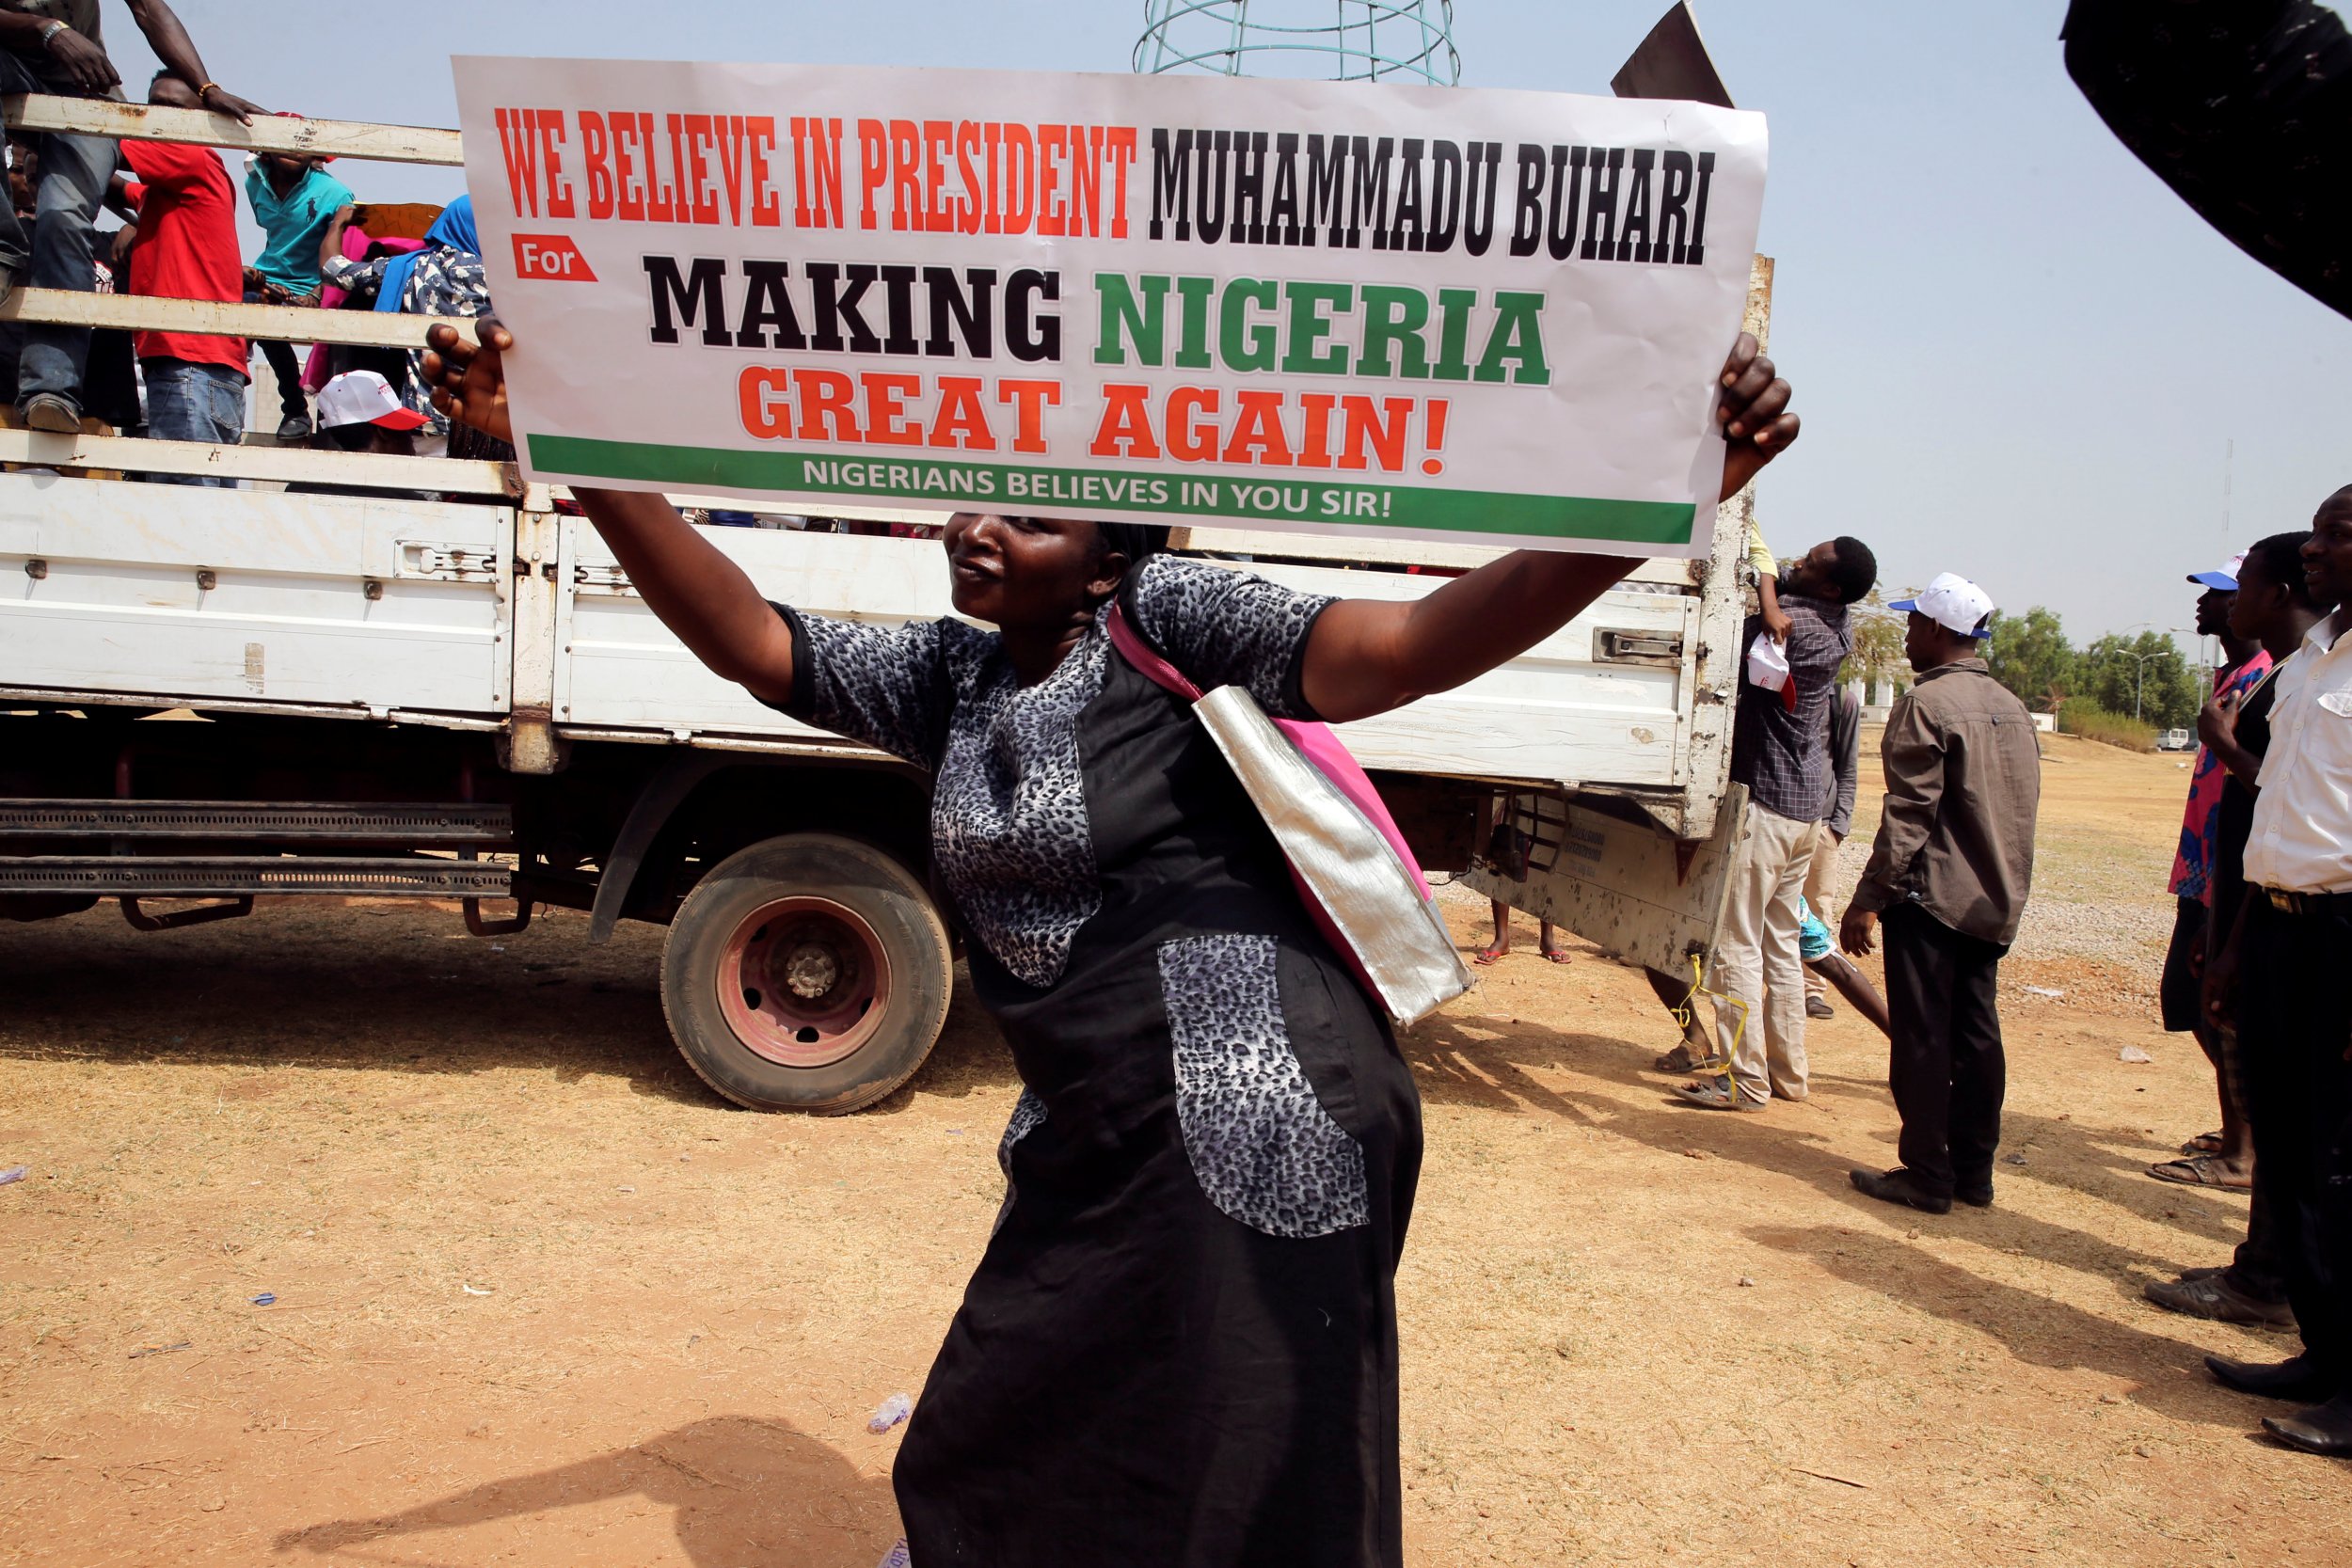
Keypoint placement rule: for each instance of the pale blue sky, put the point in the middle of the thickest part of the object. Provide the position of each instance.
(2018, 355)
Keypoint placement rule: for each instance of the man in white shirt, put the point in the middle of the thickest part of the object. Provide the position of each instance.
(2283, 970)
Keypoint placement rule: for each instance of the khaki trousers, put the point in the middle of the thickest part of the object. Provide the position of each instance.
(1756, 961)
(1819, 881)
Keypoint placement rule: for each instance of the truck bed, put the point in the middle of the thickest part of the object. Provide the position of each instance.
(465, 614)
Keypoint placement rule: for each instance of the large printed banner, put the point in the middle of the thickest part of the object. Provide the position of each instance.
(1492, 317)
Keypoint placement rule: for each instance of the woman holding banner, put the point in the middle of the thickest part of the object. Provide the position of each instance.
(1180, 1347)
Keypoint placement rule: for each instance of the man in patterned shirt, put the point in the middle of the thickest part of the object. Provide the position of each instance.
(1780, 750)
(2224, 1158)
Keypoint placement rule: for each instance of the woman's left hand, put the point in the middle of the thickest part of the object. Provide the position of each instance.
(469, 383)
(1752, 414)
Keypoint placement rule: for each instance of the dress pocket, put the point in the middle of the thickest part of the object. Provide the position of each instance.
(1261, 1146)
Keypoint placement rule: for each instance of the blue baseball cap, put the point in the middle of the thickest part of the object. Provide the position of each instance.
(2225, 579)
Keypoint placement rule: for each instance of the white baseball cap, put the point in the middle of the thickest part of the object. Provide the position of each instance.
(2225, 579)
(1952, 602)
(364, 396)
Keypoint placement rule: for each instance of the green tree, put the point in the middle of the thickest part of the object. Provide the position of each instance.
(2030, 655)
(2145, 676)
(1878, 643)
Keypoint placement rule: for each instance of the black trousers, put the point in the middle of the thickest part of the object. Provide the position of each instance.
(2294, 1025)
(289, 372)
(2259, 1268)
(1945, 1065)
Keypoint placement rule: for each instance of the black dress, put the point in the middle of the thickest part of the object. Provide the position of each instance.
(1180, 1347)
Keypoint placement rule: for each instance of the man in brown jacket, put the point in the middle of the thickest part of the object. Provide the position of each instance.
(1948, 877)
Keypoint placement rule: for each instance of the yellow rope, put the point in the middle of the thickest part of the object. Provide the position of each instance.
(1714, 1067)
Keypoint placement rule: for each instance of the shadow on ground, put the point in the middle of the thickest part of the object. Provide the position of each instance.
(1455, 1067)
(740, 1489)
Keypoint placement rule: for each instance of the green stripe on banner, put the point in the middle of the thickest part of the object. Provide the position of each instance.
(941, 482)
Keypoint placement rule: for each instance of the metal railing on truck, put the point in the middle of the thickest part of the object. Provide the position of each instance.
(104, 824)
(260, 323)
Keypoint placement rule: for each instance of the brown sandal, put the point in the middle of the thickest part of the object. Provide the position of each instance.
(2204, 1143)
(2199, 1170)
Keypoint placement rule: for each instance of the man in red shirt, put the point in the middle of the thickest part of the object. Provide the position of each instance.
(187, 249)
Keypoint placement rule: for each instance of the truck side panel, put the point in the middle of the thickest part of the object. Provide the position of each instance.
(621, 669)
(1602, 700)
(188, 593)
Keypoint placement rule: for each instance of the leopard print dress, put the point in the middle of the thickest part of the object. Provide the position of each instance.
(1179, 1350)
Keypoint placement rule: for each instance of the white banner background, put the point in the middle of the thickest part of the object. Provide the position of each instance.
(1615, 450)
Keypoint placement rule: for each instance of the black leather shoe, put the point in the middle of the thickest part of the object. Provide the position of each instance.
(1976, 1197)
(1899, 1186)
(2324, 1428)
(2295, 1378)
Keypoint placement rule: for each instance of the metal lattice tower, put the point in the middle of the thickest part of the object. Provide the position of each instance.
(1344, 40)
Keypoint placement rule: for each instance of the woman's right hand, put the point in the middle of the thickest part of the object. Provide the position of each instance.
(468, 384)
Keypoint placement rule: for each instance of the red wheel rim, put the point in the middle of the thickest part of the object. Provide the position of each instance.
(804, 981)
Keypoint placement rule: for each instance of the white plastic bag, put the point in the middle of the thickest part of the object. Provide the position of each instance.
(1768, 663)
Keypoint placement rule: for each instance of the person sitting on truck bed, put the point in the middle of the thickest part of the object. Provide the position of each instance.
(445, 279)
(1215, 1155)
(293, 199)
(358, 411)
(51, 46)
(1780, 750)
(186, 247)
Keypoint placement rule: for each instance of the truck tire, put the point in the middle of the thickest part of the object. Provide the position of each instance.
(806, 972)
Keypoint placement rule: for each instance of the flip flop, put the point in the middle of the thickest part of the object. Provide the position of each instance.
(1559, 957)
(2199, 1170)
(1490, 956)
(1712, 1094)
(2204, 1143)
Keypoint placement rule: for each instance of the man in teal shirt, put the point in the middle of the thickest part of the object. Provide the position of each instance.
(293, 200)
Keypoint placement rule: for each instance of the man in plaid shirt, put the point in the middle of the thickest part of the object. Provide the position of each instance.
(1780, 750)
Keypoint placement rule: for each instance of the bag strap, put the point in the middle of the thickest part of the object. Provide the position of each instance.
(1136, 651)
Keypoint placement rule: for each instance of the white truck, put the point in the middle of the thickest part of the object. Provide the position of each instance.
(215, 695)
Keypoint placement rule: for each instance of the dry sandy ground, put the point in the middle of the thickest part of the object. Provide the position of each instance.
(541, 1300)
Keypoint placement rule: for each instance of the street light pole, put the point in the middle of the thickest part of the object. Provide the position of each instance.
(2139, 662)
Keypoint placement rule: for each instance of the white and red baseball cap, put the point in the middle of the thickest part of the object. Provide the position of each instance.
(2225, 579)
(364, 396)
(1952, 602)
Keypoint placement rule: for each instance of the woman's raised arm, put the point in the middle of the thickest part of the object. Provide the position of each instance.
(1369, 656)
(696, 590)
